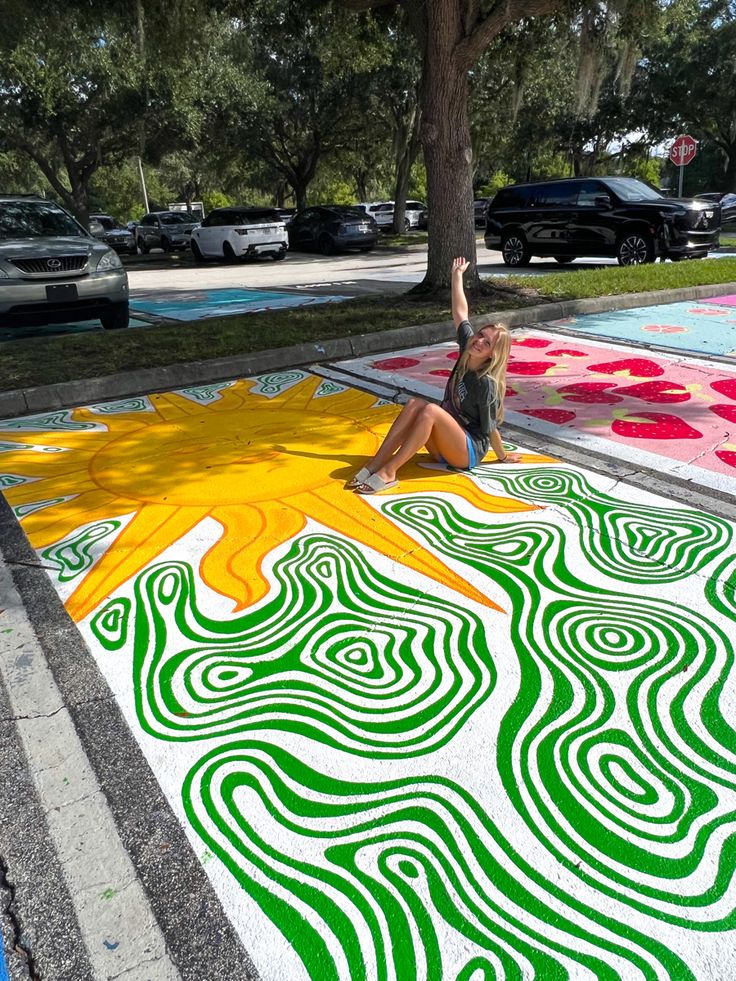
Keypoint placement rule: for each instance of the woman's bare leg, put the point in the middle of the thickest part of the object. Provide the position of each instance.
(401, 425)
(432, 424)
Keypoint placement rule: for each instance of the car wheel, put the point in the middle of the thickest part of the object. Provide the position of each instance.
(635, 249)
(142, 247)
(515, 250)
(117, 317)
(407, 224)
(564, 259)
(228, 252)
(198, 257)
(165, 244)
(279, 255)
(326, 245)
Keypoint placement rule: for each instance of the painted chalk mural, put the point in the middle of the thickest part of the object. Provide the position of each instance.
(480, 727)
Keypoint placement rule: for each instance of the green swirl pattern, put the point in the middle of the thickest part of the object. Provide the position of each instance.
(587, 827)
(354, 875)
(341, 654)
(74, 555)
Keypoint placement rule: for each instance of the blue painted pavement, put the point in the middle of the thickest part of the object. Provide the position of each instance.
(702, 326)
(3, 966)
(199, 304)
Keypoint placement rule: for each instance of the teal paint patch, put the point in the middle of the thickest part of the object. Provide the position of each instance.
(199, 304)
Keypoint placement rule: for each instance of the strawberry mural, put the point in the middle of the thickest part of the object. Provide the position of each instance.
(634, 367)
(591, 393)
(727, 456)
(528, 367)
(654, 425)
(656, 391)
(395, 364)
(531, 342)
(550, 415)
(726, 386)
(565, 352)
(727, 412)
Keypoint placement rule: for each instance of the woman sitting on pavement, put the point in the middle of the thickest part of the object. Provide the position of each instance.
(460, 430)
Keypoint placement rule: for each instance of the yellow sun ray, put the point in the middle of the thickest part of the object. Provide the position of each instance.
(49, 524)
(233, 564)
(136, 545)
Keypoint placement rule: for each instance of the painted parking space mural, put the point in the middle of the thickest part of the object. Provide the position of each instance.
(706, 327)
(479, 727)
(662, 412)
(202, 303)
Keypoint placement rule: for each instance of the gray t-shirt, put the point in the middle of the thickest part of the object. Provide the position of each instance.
(472, 400)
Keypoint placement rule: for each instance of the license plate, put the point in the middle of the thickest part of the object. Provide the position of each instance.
(61, 291)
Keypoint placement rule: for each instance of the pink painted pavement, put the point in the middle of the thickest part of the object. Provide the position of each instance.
(653, 407)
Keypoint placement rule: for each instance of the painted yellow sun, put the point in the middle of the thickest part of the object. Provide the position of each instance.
(258, 460)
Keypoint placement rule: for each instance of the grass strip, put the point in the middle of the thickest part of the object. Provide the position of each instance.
(94, 353)
(614, 280)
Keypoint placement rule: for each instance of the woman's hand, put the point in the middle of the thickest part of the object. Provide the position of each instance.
(460, 265)
(509, 458)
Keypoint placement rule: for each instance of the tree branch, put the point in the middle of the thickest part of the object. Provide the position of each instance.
(505, 12)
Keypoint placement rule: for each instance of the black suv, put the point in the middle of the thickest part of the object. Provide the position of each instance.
(601, 216)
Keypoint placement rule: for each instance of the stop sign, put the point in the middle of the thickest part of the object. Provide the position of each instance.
(683, 150)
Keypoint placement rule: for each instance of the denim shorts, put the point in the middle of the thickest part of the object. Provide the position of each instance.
(472, 456)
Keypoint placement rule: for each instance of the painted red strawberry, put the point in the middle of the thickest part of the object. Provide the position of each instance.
(565, 352)
(589, 392)
(531, 342)
(656, 391)
(395, 364)
(550, 415)
(510, 391)
(659, 425)
(726, 386)
(636, 367)
(727, 412)
(453, 355)
(443, 372)
(528, 367)
(727, 456)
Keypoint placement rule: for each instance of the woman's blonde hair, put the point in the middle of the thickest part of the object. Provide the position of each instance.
(495, 367)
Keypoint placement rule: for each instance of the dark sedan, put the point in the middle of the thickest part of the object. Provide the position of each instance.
(332, 228)
(114, 234)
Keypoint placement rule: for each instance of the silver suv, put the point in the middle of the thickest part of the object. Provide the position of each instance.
(52, 271)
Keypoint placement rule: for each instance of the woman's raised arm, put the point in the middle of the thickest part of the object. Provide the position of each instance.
(459, 302)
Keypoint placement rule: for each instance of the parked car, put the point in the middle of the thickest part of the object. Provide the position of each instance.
(480, 207)
(606, 216)
(167, 230)
(53, 271)
(114, 234)
(382, 213)
(285, 214)
(727, 203)
(413, 213)
(332, 228)
(238, 231)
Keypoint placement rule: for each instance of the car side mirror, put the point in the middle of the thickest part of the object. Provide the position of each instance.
(602, 201)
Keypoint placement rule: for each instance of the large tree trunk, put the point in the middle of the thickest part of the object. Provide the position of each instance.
(447, 148)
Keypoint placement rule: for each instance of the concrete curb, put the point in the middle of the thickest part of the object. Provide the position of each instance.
(44, 398)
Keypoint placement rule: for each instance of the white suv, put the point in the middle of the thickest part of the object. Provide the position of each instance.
(235, 232)
(383, 213)
(52, 271)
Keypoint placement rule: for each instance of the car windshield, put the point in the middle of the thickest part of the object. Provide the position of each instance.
(177, 218)
(631, 189)
(106, 221)
(35, 219)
